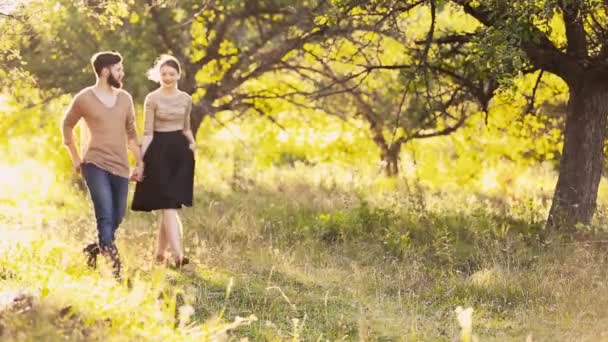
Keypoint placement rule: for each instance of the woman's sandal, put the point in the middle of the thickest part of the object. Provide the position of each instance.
(160, 259)
(179, 263)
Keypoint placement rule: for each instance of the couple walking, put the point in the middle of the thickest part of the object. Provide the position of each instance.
(164, 162)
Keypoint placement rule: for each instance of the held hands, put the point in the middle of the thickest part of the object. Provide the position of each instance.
(137, 174)
(192, 147)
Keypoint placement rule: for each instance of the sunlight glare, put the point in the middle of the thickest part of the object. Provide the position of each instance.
(7, 7)
(4, 106)
(283, 136)
(27, 180)
(331, 137)
(229, 133)
(488, 180)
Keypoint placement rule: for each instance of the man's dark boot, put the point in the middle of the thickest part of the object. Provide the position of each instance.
(91, 251)
(111, 252)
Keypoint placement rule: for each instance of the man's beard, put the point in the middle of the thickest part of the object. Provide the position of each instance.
(112, 81)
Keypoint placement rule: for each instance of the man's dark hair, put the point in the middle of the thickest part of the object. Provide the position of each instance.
(104, 59)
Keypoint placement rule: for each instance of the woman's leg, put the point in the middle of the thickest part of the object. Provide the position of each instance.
(172, 231)
(162, 240)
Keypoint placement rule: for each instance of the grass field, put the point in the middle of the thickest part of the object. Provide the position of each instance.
(285, 256)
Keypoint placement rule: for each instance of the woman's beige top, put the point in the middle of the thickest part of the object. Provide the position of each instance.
(109, 128)
(166, 113)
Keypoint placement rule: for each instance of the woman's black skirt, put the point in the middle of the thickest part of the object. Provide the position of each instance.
(168, 174)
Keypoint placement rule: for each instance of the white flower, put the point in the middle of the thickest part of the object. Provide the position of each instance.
(465, 320)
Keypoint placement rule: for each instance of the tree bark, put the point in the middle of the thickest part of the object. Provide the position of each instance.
(389, 152)
(390, 160)
(575, 195)
(199, 111)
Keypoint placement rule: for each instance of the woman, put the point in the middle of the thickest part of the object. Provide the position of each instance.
(168, 147)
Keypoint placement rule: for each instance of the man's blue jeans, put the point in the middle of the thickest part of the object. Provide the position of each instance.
(109, 196)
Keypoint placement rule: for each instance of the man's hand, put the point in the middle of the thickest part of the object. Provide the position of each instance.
(75, 157)
(77, 165)
(192, 147)
(138, 173)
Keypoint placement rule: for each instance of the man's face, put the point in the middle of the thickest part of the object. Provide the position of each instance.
(115, 74)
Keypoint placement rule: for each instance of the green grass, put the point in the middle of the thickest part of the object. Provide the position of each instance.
(309, 262)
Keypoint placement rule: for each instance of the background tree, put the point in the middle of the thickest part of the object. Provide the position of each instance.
(564, 38)
(230, 50)
(580, 62)
(223, 45)
(378, 73)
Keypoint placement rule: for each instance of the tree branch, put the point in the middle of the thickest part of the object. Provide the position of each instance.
(450, 39)
(540, 50)
(12, 17)
(530, 107)
(446, 131)
(170, 44)
(575, 31)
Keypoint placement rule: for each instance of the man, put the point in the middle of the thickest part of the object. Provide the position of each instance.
(109, 115)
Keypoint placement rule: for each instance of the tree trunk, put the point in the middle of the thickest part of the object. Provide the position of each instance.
(389, 152)
(201, 108)
(390, 160)
(575, 195)
(199, 111)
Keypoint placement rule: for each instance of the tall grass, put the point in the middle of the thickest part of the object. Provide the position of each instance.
(306, 253)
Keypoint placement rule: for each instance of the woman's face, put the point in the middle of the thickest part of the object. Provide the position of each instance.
(168, 76)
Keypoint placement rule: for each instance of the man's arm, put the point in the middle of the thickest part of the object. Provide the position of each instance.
(74, 155)
(70, 119)
(138, 172)
(149, 115)
(136, 150)
(133, 144)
